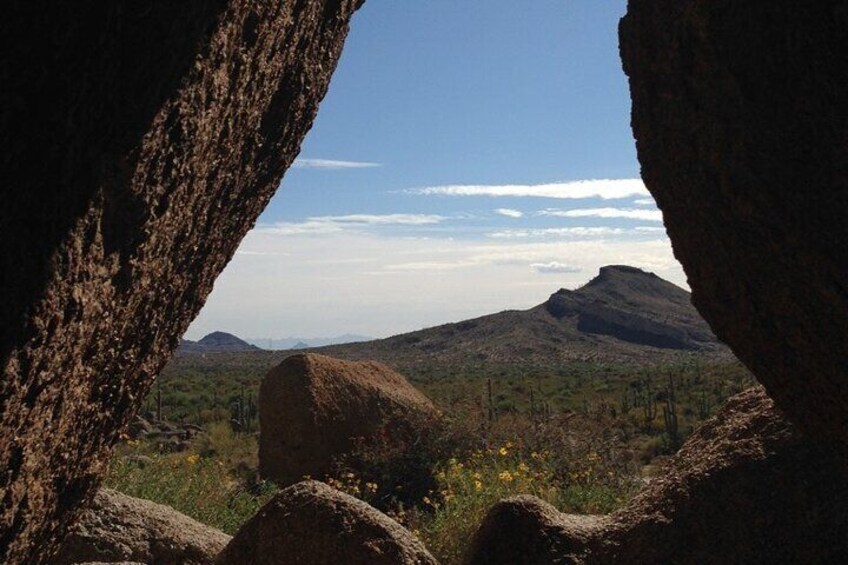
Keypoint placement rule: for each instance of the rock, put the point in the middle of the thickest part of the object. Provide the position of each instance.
(311, 406)
(117, 527)
(524, 529)
(746, 484)
(139, 428)
(310, 523)
(139, 146)
(111, 563)
(739, 118)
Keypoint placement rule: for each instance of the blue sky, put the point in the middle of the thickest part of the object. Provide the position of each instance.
(469, 157)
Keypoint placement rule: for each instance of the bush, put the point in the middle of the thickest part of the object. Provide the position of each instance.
(201, 487)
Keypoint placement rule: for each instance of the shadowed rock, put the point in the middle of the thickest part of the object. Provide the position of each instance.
(312, 524)
(746, 487)
(311, 407)
(139, 145)
(524, 529)
(117, 527)
(739, 118)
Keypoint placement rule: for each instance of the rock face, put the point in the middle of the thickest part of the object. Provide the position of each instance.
(312, 524)
(138, 147)
(739, 117)
(634, 306)
(311, 406)
(117, 527)
(746, 487)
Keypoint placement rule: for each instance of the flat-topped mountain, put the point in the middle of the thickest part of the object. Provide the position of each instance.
(215, 342)
(623, 314)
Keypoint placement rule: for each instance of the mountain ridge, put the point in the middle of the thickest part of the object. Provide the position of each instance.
(216, 342)
(623, 314)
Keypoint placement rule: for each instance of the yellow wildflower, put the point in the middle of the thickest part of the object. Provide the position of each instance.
(503, 451)
(193, 459)
(478, 485)
(505, 476)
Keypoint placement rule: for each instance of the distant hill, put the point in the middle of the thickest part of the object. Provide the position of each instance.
(305, 342)
(216, 342)
(624, 314)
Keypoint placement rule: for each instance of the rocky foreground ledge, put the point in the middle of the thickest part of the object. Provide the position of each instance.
(747, 487)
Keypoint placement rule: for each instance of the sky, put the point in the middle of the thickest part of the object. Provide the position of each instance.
(470, 157)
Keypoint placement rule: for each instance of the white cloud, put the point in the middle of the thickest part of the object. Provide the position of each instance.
(644, 202)
(606, 189)
(554, 267)
(509, 212)
(332, 165)
(575, 232)
(383, 219)
(647, 215)
(334, 224)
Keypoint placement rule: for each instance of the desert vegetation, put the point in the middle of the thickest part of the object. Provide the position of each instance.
(583, 437)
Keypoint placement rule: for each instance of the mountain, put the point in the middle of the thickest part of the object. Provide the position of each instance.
(216, 342)
(305, 342)
(624, 314)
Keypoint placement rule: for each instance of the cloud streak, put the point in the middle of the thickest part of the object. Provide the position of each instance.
(509, 212)
(554, 267)
(317, 225)
(631, 214)
(332, 165)
(574, 232)
(606, 189)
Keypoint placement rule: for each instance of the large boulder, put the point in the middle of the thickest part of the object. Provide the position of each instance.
(739, 118)
(747, 487)
(310, 523)
(312, 408)
(117, 527)
(139, 145)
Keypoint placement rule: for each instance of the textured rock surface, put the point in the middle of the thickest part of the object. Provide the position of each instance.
(739, 117)
(311, 523)
(524, 529)
(138, 147)
(117, 527)
(310, 406)
(746, 487)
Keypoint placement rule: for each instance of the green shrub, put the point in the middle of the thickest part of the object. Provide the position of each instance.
(201, 487)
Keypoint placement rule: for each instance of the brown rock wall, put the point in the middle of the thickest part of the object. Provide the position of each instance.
(139, 145)
(739, 118)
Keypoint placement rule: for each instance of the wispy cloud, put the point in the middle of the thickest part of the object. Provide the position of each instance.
(331, 164)
(575, 232)
(644, 202)
(333, 224)
(632, 214)
(606, 189)
(509, 212)
(554, 267)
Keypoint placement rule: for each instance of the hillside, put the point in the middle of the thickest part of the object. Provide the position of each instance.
(622, 315)
(216, 342)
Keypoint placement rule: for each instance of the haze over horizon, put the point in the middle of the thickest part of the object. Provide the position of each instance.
(467, 159)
